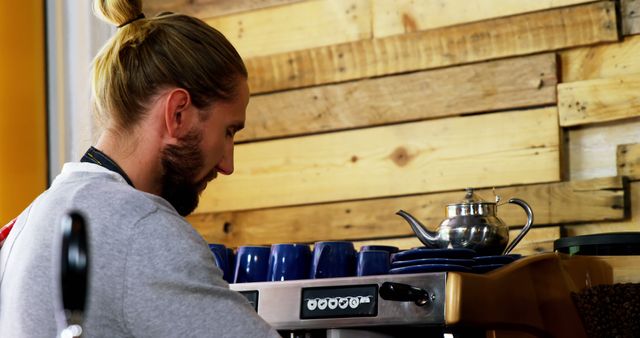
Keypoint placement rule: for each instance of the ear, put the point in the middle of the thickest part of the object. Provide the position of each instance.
(177, 113)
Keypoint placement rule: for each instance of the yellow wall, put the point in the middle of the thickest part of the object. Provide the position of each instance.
(23, 161)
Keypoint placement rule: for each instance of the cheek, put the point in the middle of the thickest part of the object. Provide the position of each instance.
(213, 151)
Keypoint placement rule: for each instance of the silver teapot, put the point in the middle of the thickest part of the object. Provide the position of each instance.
(471, 224)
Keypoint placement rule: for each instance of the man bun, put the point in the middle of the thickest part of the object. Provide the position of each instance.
(117, 12)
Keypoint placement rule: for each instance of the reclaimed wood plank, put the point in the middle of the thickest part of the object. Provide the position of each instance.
(403, 243)
(625, 268)
(208, 8)
(592, 148)
(630, 13)
(601, 61)
(599, 228)
(406, 16)
(497, 85)
(297, 26)
(532, 248)
(628, 160)
(511, 36)
(416, 157)
(630, 223)
(599, 100)
(552, 203)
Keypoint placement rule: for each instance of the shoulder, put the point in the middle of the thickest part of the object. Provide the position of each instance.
(164, 227)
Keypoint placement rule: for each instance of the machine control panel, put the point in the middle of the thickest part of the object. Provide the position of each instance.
(339, 301)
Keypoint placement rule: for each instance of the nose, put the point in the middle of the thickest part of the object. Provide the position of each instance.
(225, 166)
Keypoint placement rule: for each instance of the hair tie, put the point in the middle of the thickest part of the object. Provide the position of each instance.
(140, 16)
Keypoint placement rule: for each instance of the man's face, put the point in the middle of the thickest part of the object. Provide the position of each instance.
(203, 153)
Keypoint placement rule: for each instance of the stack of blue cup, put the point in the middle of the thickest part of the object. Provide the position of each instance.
(289, 262)
(225, 260)
(252, 263)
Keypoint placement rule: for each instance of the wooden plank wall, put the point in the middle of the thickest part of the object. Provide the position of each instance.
(363, 107)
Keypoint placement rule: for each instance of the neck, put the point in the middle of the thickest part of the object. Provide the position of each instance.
(138, 158)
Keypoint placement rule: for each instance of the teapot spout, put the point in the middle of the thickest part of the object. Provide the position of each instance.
(428, 238)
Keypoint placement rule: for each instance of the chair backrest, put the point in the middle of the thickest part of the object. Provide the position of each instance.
(74, 272)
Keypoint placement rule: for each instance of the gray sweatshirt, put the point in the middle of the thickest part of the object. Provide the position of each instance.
(151, 273)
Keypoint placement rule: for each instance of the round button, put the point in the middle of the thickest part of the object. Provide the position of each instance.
(343, 302)
(322, 303)
(312, 304)
(354, 302)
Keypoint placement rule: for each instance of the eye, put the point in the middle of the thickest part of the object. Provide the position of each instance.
(231, 132)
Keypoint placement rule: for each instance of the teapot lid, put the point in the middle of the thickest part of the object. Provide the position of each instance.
(471, 198)
(472, 205)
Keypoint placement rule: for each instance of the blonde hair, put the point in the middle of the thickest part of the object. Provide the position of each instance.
(148, 54)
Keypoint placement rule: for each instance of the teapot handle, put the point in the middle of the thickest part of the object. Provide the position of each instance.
(526, 227)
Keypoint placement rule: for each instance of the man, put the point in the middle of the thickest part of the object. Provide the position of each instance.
(174, 93)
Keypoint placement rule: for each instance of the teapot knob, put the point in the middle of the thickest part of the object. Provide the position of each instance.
(469, 193)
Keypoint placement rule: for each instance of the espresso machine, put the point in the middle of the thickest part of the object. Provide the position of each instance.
(368, 306)
(529, 297)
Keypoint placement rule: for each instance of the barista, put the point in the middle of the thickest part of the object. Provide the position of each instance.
(171, 92)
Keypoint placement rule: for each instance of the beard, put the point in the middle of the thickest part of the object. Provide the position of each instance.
(181, 164)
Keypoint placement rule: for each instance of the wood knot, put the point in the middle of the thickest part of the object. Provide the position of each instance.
(409, 23)
(539, 84)
(400, 156)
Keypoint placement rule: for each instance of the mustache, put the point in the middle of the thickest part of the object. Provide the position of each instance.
(212, 175)
(202, 184)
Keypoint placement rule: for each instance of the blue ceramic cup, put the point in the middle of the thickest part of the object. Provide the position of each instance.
(333, 259)
(222, 260)
(231, 263)
(252, 263)
(388, 248)
(373, 262)
(289, 262)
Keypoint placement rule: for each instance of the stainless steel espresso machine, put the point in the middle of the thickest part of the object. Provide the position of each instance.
(370, 306)
(529, 297)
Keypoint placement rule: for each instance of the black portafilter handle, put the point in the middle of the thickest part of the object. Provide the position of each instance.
(74, 265)
(404, 293)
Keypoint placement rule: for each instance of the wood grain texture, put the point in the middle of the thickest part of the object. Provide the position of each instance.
(406, 16)
(297, 26)
(599, 228)
(553, 203)
(419, 157)
(497, 85)
(592, 148)
(510, 36)
(600, 100)
(629, 223)
(532, 248)
(602, 61)
(625, 268)
(628, 160)
(630, 12)
(208, 8)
